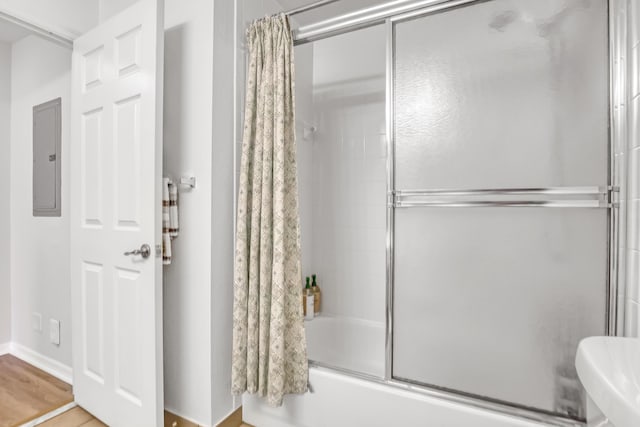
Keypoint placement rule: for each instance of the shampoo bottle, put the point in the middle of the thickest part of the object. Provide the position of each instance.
(316, 295)
(309, 302)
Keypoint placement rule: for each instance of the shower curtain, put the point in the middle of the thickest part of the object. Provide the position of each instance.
(269, 346)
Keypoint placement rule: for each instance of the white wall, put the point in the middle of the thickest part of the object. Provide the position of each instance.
(69, 18)
(40, 72)
(108, 8)
(5, 135)
(187, 149)
(222, 212)
(198, 284)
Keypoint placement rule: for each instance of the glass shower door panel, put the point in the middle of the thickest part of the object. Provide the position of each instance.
(493, 301)
(504, 93)
(340, 90)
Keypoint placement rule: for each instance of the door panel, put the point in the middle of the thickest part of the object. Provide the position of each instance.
(504, 93)
(492, 301)
(116, 177)
(93, 321)
(91, 168)
(127, 166)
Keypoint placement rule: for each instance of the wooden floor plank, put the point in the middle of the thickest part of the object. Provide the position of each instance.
(72, 418)
(78, 417)
(27, 392)
(94, 423)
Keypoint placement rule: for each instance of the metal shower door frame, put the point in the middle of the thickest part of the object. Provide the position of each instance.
(617, 12)
(394, 11)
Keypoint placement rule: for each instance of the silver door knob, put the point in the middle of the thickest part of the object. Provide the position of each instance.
(144, 251)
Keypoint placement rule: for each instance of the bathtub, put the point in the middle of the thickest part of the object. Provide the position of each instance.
(342, 400)
(348, 343)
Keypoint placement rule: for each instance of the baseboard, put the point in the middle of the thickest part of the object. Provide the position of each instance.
(233, 420)
(40, 361)
(171, 419)
(5, 348)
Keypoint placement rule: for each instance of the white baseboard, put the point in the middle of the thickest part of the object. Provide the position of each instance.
(191, 420)
(40, 361)
(5, 348)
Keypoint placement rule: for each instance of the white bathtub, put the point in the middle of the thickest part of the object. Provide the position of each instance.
(352, 344)
(343, 401)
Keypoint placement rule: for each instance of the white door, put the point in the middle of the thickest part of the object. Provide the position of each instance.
(116, 165)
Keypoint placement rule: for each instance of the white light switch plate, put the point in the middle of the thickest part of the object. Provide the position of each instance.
(54, 331)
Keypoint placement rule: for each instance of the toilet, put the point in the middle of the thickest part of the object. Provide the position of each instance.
(595, 417)
(609, 369)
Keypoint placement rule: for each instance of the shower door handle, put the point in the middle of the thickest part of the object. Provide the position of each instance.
(144, 251)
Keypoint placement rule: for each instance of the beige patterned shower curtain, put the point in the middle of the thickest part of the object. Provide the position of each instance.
(269, 346)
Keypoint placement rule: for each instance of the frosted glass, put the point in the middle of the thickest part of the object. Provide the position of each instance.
(505, 93)
(493, 301)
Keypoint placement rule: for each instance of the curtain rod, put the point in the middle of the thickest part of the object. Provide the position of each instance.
(310, 6)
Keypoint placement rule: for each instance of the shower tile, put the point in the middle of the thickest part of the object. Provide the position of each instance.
(375, 195)
(632, 319)
(633, 227)
(620, 172)
(624, 212)
(634, 19)
(376, 146)
(622, 305)
(633, 275)
(634, 70)
(634, 121)
(620, 143)
(622, 273)
(634, 174)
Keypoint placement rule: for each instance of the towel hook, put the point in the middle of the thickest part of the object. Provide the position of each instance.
(188, 181)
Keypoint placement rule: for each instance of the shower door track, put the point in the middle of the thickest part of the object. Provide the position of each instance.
(452, 396)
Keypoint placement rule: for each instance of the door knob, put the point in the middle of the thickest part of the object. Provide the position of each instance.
(144, 251)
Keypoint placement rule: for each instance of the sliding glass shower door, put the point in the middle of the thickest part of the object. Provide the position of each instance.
(501, 212)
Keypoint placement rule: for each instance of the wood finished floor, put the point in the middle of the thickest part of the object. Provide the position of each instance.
(78, 417)
(74, 417)
(27, 392)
